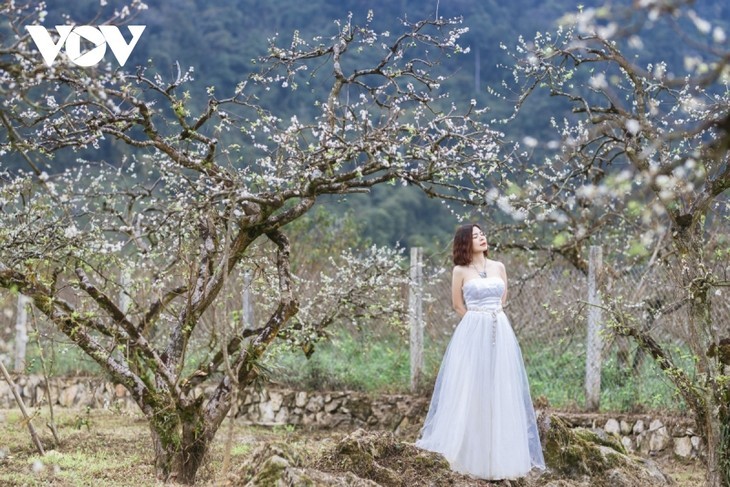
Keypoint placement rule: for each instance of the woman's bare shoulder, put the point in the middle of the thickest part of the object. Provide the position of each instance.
(460, 270)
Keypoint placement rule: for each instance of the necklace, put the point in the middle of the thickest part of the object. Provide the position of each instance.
(482, 274)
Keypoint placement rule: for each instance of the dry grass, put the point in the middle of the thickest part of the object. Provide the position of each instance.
(97, 448)
(113, 449)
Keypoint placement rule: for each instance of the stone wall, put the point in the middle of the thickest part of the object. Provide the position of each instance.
(66, 392)
(643, 433)
(342, 409)
(400, 413)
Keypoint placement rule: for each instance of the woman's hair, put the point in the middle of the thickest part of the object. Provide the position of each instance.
(463, 244)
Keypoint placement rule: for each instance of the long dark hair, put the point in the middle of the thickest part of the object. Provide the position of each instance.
(464, 244)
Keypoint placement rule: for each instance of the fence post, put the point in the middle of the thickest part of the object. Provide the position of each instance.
(415, 316)
(247, 304)
(21, 333)
(594, 339)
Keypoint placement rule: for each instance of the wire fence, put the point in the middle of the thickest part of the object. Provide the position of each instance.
(548, 310)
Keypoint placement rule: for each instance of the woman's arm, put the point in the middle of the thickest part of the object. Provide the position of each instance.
(457, 297)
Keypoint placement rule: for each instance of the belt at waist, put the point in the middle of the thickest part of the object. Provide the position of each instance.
(494, 310)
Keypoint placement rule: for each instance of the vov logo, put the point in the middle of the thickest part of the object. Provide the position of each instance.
(70, 36)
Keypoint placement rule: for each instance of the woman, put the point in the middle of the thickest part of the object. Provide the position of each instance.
(481, 416)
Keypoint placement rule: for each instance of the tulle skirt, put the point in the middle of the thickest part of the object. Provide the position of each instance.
(481, 417)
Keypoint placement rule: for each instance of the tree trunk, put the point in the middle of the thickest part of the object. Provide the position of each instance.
(701, 336)
(724, 449)
(181, 441)
(718, 447)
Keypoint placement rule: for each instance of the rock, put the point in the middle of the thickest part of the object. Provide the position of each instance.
(5, 394)
(98, 397)
(270, 472)
(582, 455)
(659, 439)
(654, 472)
(332, 406)
(642, 442)
(639, 427)
(339, 419)
(625, 427)
(120, 391)
(319, 419)
(359, 408)
(300, 399)
(612, 427)
(683, 447)
(628, 443)
(276, 399)
(282, 416)
(315, 403)
(68, 396)
(83, 395)
(267, 414)
(696, 442)
(265, 465)
(656, 425)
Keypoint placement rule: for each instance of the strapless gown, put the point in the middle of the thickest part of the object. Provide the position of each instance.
(481, 417)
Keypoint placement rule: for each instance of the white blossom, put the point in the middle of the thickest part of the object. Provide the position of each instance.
(633, 126)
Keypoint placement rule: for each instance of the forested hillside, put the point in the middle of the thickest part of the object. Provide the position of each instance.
(220, 40)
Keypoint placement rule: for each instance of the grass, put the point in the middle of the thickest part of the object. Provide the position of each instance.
(348, 361)
(381, 364)
(105, 452)
(559, 377)
(114, 450)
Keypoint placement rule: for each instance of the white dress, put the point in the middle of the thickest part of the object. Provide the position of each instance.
(481, 417)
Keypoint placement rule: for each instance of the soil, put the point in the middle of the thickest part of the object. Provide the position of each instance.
(114, 449)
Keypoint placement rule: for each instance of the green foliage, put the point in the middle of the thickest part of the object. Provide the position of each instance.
(560, 378)
(646, 389)
(348, 361)
(83, 419)
(62, 359)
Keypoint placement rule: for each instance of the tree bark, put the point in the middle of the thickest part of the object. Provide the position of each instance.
(181, 441)
(690, 243)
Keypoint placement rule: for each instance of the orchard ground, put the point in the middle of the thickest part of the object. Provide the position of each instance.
(102, 447)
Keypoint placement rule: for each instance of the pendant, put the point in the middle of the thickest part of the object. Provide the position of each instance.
(483, 275)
